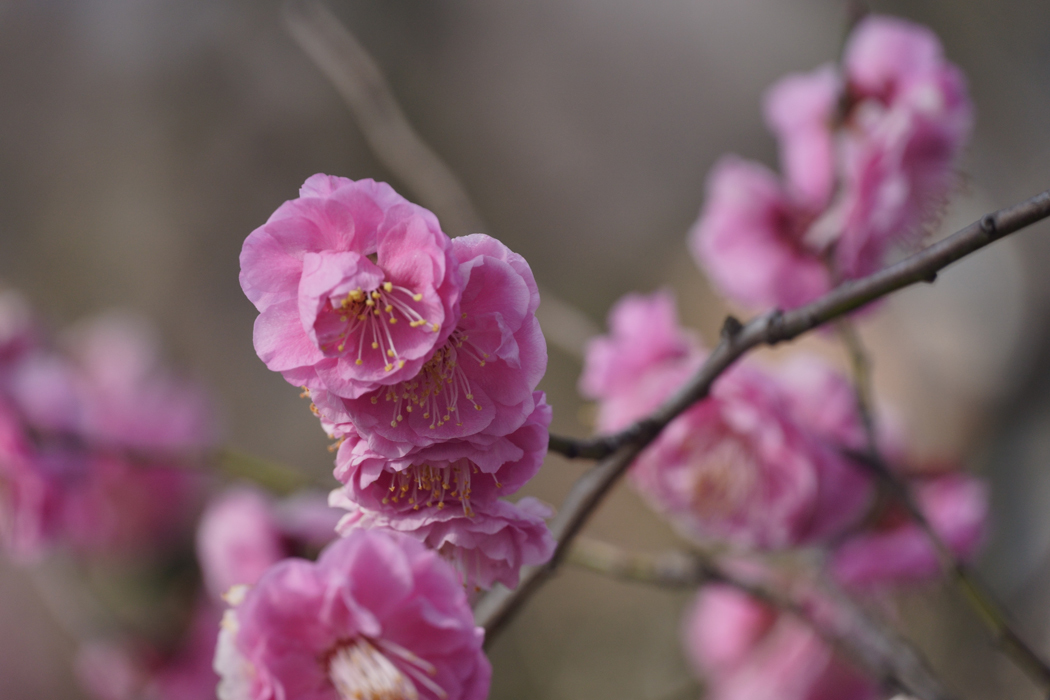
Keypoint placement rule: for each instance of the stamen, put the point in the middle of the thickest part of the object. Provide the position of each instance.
(360, 671)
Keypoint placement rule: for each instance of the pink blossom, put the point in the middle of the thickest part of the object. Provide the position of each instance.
(27, 500)
(745, 650)
(869, 153)
(243, 532)
(738, 466)
(750, 239)
(643, 359)
(759, 462)
(237, 540)
(478, 384)
(19, 329)
(355, 286)
(899, 551)
(378, 615)
(110, 670)
(801, 109)
(491, 544)
(92, 445)
(909, 120)
(455, 473)
(129, 398)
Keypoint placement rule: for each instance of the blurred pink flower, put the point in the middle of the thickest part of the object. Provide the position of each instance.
(909, 120)
(869, 153)
(456, 473)
(114, 671)
(745, 650)
(243, 532)
(481, 382)
(97, 444)
(356, 286)
(739, 466)
(750, 239)
(491, 544)
(899, 551)
(378, 615)
(758, 463)
(800, 109)
(237, 540)
(645, 356)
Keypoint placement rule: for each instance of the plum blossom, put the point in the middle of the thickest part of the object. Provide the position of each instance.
(479, 383)
(455, 473)
(243, 532)
(746, 650)
(112, 670)
(355, 286)
(644, 357)
(868, 150)
(377, 616)
(93, 439)
(898, 551)
(758, 463)
(491, 544)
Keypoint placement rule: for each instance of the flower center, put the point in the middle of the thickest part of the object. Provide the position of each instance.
(362, 671)
(364, 318)
(722, 475)
(426, 485)
(441, 382)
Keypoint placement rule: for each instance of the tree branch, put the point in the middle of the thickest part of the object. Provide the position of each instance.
(618, 451)
(778, 326)
(862, 637)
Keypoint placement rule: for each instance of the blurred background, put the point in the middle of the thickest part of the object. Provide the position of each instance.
(142, 140)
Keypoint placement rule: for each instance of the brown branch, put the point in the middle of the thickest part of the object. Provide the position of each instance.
(778, 326)
(361, 84)
(618, 451)
(860, 636)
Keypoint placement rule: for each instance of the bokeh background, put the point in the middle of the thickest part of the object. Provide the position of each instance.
(142, 140)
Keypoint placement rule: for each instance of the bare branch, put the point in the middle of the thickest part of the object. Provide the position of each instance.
(778, 326)
(361, 83)
(855, 632)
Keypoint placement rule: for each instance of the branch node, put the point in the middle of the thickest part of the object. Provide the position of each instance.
(930, 278)
(775, 327)
(989, 227)
(731, 327)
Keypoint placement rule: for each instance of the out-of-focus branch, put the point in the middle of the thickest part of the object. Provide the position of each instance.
(779, 326)
(616, 452)
(362, 85)
(275, 477)
(962, 576)
(860, 636)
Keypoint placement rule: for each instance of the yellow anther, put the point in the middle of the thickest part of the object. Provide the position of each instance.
(375, 345)
(342, 346)
(370, 302)
(435, 327)
(417, 297)
(358, 361)
(393, 320)
(343, 319)
(389, 308)
(376, 295)
(360, 317)
(387, 286)
(356, 294)
(389, 353)
(388, 368)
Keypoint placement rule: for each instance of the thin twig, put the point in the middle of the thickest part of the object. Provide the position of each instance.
(991, 614)
(364, 88)
(778, 326)
(618, 451)
(853, 631)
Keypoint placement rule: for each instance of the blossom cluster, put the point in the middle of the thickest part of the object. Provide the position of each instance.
(868, 150)
(421, 355)
(97, 439)
(773, 459)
